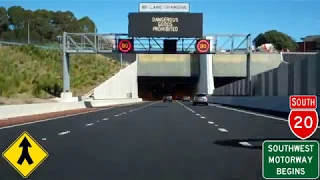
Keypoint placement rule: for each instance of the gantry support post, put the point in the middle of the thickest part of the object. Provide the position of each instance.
(248, 66)
(66, 64)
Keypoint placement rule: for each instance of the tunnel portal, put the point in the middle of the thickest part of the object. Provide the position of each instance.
(154, 88)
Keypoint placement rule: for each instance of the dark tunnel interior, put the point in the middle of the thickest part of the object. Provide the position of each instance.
(154, 88)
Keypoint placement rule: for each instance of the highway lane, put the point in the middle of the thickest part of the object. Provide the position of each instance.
(51, 128)
(247, 126)
(161, 141)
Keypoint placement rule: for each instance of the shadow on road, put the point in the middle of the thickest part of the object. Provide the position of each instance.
(235, 142)
(88, 104)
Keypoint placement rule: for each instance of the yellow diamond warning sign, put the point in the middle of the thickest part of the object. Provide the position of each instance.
(25, 154)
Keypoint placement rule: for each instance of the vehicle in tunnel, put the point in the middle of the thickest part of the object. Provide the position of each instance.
(186, 98)
(155, 88)
(200, 99)
(167, 97)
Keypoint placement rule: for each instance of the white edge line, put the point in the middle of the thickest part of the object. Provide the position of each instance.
(248, 112)
(49, 119)
(63, 133)
(252, 113)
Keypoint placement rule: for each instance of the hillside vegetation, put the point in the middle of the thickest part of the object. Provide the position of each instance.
(29, 74)
(35, 72)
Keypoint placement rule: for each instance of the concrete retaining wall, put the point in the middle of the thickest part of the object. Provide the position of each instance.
(9, 111)
(234, 65)
(271, 90)
(120, 85)
(297, 78)
(174, 65)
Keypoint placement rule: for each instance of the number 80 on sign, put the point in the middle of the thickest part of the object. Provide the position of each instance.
(303, 123)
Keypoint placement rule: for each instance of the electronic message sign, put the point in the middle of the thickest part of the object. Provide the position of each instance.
(182, 25)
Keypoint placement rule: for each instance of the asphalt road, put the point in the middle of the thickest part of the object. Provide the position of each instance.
(151, 141)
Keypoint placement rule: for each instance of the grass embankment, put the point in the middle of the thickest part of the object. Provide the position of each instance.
(28, 73)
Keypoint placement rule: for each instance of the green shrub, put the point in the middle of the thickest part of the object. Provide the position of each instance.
(38, 72)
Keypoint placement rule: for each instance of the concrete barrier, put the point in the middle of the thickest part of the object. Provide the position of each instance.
(9, 111)
(271, 90)
(273, 103)
(101, 103)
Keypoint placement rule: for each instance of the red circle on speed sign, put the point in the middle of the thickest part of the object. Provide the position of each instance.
(303, 123)
(203, 46)
(125, 45)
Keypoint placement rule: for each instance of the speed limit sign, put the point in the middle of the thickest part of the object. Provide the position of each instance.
(303, 118)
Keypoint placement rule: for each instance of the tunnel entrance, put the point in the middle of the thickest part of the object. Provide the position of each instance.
(154, 88)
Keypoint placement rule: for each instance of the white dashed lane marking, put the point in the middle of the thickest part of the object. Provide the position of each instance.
(189, 109)
(90, 124)
(198, 115)
(216, 125)
(98, 121)
(120, 114)
(202, 117)
(210, 122)
(63, 133)
(245, 144)
(104, 119)
(44, 139)
(222, 130)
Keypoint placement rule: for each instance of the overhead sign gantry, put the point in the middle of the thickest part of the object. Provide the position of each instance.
(159, 28)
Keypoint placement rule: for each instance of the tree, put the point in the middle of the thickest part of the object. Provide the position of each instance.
(4, 20)
(44, 25)
(278, 39)
(16, 17)
(86, 21)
